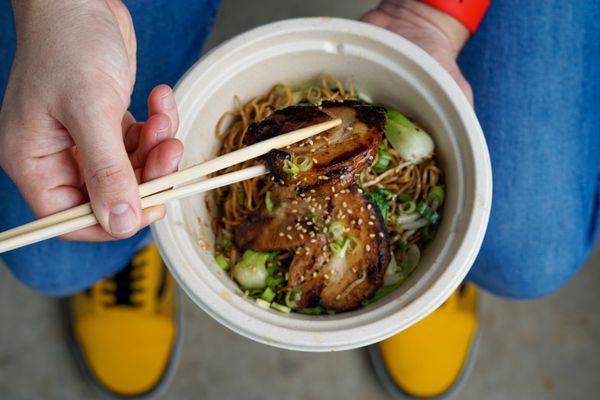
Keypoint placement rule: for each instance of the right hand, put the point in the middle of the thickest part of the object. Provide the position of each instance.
(65, 133)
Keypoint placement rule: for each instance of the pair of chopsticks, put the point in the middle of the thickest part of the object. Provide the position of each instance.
(159, 191)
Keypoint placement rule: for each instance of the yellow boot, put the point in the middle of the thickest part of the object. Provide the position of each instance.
(126, 328)
(432, 358)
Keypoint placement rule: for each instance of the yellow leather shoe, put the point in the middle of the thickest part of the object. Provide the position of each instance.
(126, 328)
(431, 359)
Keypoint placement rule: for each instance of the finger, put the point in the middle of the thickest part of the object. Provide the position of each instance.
(98, 234)
(132, 136)
(163, 160)
(107, 172)
(162, 101)
(154, 131)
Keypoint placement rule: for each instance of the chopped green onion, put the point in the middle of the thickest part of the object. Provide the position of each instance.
(429, 213)
(268, 201)
(222, 262)
(359, 179)
(262, 303)
(408, 208)
(383, 160)
(404, 197)
(268, 295)
(275, 282)
(311, 311)
(292, 297)
(429, 232)
(340, 250)
(364, 98)
(281, 308)
(303, 162)
(225, 243)
(290, 168)
(336, 229)
(411, 142)
(436, 197)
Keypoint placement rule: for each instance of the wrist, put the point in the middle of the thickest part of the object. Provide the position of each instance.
(418, 14)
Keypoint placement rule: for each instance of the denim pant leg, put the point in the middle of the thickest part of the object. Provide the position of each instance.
(170, 37)
(535, 71)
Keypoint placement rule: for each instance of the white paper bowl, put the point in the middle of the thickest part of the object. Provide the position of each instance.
(392, 71)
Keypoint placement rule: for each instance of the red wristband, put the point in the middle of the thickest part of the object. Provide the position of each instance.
(468, 12)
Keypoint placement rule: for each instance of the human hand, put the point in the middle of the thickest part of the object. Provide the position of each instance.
(437, 33)
(65, 133)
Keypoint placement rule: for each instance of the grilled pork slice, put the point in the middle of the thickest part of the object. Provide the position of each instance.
(329, 161)
(343, 282)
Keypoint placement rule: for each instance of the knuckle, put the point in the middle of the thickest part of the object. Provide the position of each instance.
(110, 176)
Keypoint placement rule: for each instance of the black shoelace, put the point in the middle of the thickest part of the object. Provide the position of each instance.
(123, 290)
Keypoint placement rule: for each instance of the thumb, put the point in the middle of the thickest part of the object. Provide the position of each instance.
(107, 171)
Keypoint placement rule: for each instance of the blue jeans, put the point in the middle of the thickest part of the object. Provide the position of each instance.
(536, 80)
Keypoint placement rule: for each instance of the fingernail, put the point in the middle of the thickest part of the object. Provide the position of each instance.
(167, 100)
(175, 163)
(122, 219)
(161, 134)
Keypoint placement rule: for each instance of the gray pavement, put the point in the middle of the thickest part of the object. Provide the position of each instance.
(543, 349)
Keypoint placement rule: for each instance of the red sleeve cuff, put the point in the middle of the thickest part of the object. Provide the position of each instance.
(468, 12)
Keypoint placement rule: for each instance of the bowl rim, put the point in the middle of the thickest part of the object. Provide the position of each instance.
(433, 295)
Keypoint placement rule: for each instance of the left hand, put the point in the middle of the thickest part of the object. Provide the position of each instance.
(437, 33)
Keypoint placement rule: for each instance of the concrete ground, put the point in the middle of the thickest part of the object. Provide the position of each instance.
(545, 349)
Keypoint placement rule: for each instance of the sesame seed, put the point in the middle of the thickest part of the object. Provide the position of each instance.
(369, 206)
(302, 236)
(313, 241)
(313, 191)
(349, 211)
(295, 202)
(294, 211)
(381, 235)
(333, 189)
(372, 235)
(281, 234)
(314, 274)
(289, 236)
(339, 296)
(360, 221)
(371, 223)
(368, 247)
(344, 204)
(289, 228)
(354, 270)
(326, 276)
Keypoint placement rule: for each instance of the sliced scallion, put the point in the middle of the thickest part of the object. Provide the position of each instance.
(429, 213)
(290, 168)
(383, 159)
(281, 308)
(262, 303)
(303, 162)
(268, 201)
(436, 197)
(268, 295)
(222, 262)
(336, 229)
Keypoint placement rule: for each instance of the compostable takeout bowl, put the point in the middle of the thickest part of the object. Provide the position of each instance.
(391, 71)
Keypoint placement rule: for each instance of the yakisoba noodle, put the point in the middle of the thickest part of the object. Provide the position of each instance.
(236, 201)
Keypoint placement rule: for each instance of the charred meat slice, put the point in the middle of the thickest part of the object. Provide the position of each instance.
(329, 160)
(342, 283)
(286, 226)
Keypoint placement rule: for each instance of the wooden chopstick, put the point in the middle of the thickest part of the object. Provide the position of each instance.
(178, 178)
(84, 221)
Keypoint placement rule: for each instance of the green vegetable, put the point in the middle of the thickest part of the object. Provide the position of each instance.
(404, 197)
(303, 162)
(382, 198)
(383, 159)
(292, 297)
(408, 208)
(436, 197)
(336, 229)
(429, 213)
(262, 303)
(225, 243)
(290, 168)
(311, 311)
(281, 308)
(340, 250)
(411, 142)
(268, 295)
(268, 201)
(364, 98)
(251, 271)
(222, 262)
